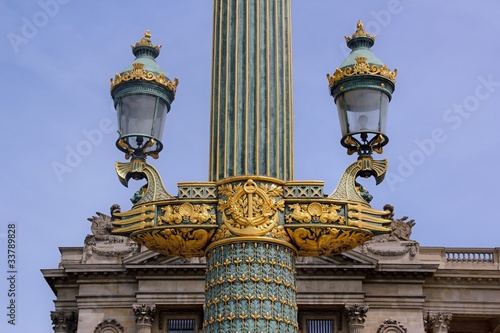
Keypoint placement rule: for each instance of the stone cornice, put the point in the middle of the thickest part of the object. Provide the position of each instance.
(462, 280)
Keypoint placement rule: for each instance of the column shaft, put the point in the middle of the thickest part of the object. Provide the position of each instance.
(250, 287)
(251, 108)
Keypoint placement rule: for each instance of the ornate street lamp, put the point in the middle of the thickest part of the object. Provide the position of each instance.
(252, 219)
(142, 95)
(362, 88)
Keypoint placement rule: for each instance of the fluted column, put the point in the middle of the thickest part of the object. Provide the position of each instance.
(355, 315)
(251, 111)
(64, 321)
(144, 314)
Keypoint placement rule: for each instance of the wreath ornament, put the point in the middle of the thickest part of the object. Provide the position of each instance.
(250, 209)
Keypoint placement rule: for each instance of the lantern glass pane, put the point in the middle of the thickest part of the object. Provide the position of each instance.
(159, 123)
(362, 110)
(137, 114)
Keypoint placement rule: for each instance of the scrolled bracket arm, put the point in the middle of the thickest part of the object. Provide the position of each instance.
(348, 189)
(138, 169)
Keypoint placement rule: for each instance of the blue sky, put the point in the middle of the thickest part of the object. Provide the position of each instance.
(57, 57)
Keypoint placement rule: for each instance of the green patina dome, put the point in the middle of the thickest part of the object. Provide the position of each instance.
(144, 73)
(360, 43)
(362, 68)
(146, 53)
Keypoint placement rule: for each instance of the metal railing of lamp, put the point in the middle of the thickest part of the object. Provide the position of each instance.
(142, 95)
(362, 88)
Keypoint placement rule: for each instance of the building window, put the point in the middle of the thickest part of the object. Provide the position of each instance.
(181, 326)
(180, 320)
(320, 321)
(320, 326)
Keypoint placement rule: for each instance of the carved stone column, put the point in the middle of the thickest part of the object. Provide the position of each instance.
(144, 314)
(438, 322)
(64, 321)
(355, 315)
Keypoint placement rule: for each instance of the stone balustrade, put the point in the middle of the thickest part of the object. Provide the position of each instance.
(462, 258)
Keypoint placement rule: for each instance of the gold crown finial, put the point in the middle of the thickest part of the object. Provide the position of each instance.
(360, 32)
(146, 41)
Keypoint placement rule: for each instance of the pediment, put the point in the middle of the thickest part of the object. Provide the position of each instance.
(149, 257)
(349, 258)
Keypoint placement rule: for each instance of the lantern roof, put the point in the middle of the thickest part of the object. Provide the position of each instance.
(361, 60)
(144, 67)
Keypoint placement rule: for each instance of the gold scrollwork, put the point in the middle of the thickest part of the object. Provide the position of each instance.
(359, 68)
(185, 242)
(325, 241)
(324, 213)
(196, 214)
(250, 209)
(139, 73)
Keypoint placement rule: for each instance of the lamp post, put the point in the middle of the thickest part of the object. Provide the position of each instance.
(251, 219)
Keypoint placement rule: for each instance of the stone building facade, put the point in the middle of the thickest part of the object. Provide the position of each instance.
(390, 284)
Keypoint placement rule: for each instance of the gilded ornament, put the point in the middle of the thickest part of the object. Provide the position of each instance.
(196, 214)
(139, 73)
(325, 241)
(299, 213)
(155, 190)
(184, 242)
(347, 190)
(250, 210)
(138, 218)
(221, 233)
(315, 209)
(315, 212)
(146, 41)
(367, 218)
(361, 67)
(280, 233)
(330, 214)
(360, 32)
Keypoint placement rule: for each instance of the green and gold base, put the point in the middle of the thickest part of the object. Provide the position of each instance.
(250, 229)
